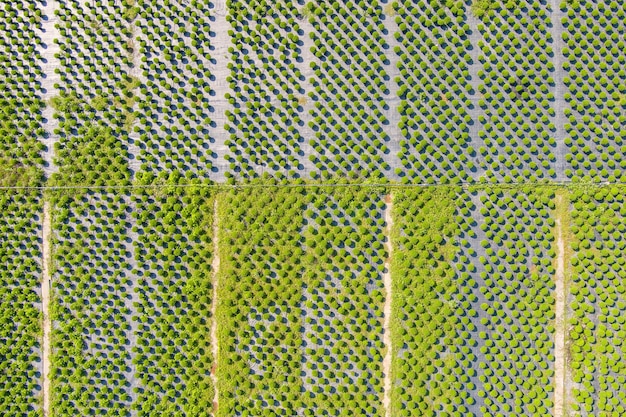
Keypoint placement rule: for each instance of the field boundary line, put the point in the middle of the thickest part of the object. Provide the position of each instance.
(215, 267)
(45, 306)
(387, 307)
(476, 185)
(560, 365)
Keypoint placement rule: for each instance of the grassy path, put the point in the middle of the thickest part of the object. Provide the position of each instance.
(45, 306)
(387, 308)
(560, 331)
(215, 267)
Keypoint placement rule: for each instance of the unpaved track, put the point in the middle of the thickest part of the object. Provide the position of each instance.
(215, 267)
(45, 306)
(387, 310)
(48, 49)
(560, 321)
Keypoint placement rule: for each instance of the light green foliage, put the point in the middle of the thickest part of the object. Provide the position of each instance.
(20, 316)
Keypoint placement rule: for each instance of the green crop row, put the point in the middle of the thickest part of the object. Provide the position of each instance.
(20, 300)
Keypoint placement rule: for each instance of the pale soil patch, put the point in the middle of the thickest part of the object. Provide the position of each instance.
(48, 33)
(45, 306)
(387, 310)
(215, 267)
(560, 321)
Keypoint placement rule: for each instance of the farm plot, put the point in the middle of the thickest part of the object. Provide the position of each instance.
(474, 303)
(596, 300)
(350, 88)
(21, 105)
(434, 89)
(132, 289)
(93, 293)
(302, 316)
(595, 59)
(96, 92)
(174, 113)
(342, 309)
(173, 251)
(259, 293)
(514, 274)
(20, 314)
(265, 83)
(517, 140)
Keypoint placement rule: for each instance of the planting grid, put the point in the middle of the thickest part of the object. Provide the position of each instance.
(350, 89)
(265, 82)
(135, 105)
(173, 44)
(517, 136)
(132, 290)
(473, 303)
(435, 89)
(320, 89)
(301, 299)
(595, 58)
(21, 101)
(94, 106)
(20, 304)
(596, 299)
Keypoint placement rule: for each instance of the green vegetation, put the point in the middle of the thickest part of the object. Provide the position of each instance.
(301, 298)
(481, 8)
(434, 90)
(595, 55)
(597, 298)
(265, 82)
(473, 308)
(20, 315)
(350, 91)
(132, 287)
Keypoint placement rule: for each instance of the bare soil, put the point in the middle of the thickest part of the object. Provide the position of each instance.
(387, 310)
(45, 306)
(215, 267)
(560, 321)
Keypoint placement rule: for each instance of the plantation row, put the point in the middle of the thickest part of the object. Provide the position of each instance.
(471, 98)
(300, 302)
(132, 285)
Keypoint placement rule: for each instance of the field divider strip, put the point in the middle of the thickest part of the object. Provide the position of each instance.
(215, 267)
(45, 306)
(560, 313)
(387, 308)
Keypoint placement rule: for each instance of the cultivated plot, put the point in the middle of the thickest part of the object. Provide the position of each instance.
(20, 304)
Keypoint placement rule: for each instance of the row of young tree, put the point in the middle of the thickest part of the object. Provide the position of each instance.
(596, 90)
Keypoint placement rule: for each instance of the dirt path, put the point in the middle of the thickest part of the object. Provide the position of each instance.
(387, 309)
(560, 321)
(215, 267)
(45, 306)
(49, 62)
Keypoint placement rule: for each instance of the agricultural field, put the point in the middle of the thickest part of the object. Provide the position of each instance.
(20, 304)
(595, 56)
(312, 208)
(517, 140)
(132, 285)
(301, 298)
(434, 88)
(473, 303)
(596, 298)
